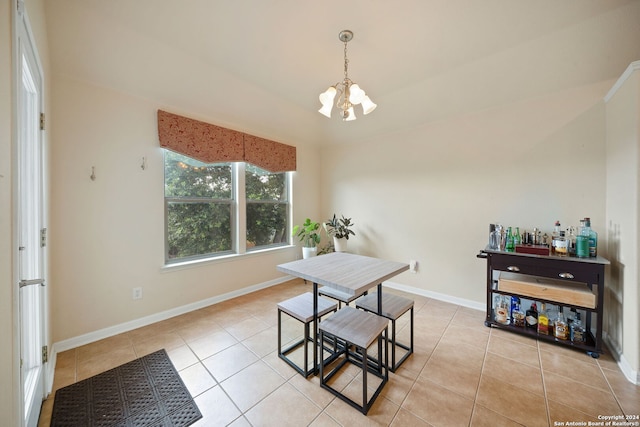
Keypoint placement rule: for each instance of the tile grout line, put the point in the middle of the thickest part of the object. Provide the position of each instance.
(544, 383)
(613, 392)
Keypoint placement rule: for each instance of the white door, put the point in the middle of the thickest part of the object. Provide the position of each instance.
(30, 223)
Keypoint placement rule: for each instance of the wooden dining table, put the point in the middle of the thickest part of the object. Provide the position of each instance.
(345, 272)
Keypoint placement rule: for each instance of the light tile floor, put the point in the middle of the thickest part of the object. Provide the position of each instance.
(462, 373)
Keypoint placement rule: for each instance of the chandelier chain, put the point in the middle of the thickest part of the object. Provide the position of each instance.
(346, 62)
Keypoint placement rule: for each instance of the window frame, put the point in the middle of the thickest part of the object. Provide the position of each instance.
(238, 207)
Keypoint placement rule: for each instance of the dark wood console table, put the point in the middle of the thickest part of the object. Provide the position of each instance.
(587, 271)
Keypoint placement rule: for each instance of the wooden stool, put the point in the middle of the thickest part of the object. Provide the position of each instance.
(393, 307)
(301, 309)
(341, 297)
(360, 329)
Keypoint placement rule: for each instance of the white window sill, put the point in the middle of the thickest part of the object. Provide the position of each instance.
(167, 268)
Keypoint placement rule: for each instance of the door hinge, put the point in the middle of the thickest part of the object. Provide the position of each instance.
(43, 237)
(45, 354)
(41, 121)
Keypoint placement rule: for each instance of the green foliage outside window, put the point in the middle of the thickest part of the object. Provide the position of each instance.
(200, 207)
(267, 203)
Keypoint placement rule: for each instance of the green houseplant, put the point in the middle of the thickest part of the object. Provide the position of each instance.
(340, 229)
(309, 235)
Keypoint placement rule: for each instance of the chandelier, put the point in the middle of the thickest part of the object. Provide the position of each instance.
(347, 91)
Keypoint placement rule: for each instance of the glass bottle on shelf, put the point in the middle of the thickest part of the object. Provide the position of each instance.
(543, 320)
(494, 236)
(502, 309)
(552, 316)
(510, 246)
(577, 332)
(531, 317)
(561, 329)
(571, 237)
(517, 316)
(593, 238)
(560, 245)
(582, 241)
(517, 239)
(556, 231)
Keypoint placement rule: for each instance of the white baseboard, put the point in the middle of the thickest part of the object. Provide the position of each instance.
(78, 341)
(631, 374)
(438, 296)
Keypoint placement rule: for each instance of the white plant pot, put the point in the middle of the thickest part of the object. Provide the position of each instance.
(340, 245)
(309, 252)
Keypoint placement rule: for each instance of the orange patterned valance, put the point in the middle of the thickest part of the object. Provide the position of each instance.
(210, 143)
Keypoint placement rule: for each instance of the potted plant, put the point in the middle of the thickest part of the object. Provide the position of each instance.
(340, 229)
(309, 235)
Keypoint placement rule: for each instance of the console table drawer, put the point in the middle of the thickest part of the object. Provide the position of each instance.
(552, 268)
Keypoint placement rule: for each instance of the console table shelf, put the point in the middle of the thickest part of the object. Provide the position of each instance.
(569, 270)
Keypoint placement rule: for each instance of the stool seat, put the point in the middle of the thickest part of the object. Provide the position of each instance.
(301, 307)
(355, 326)
(340, 296)
(393, 306)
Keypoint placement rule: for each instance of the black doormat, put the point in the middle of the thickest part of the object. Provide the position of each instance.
(145, 392)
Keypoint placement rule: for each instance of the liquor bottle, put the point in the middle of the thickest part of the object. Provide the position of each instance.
(502, 310)
(560, 245)
(531, 319)
(571, 237)
(517, 239)
(593, 238)
(556, 230)
(517, 316)
(577, 332)
(582, 241)
(543, 321)
(552, 316)
(561, 329)
(510, 246)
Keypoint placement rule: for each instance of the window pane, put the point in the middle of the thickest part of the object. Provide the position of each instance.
(195, 229)
(186, 177)
(263, 185)
(266, 224)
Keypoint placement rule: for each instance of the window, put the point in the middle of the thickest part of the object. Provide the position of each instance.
(267, 207)
(204, 205)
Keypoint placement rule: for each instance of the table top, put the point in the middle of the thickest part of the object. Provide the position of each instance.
(346, 272)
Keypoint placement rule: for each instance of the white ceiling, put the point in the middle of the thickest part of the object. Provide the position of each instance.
(258, 66)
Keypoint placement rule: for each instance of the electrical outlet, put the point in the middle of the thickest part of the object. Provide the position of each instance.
(137, 293)
(413, 265)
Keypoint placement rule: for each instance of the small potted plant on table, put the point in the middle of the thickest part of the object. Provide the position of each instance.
(340, 229)
(309, 235)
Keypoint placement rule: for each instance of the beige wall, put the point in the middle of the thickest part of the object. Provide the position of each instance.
(107, 234)
(430, 193)
(623, 213)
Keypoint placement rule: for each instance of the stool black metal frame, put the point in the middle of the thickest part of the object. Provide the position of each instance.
(282, 354)
(409, 348)
(359, 358)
